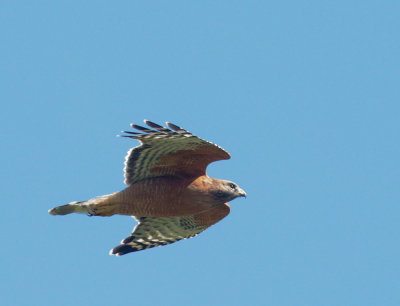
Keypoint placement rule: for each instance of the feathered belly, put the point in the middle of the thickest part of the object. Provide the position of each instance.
(161, 197)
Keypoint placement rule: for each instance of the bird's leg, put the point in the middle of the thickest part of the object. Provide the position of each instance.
(101, 209)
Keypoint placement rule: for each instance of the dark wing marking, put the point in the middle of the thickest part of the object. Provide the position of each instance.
(172, 151)
(152, 232)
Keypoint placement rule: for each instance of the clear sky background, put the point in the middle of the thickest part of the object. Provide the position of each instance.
(303, 94)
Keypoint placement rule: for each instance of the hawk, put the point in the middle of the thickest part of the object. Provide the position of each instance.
(168, 193)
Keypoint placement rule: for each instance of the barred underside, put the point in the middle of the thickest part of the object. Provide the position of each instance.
(151, 159)
(152, 232)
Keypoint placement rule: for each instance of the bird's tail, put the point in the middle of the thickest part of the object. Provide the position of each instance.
(89, 207)
(73, 207)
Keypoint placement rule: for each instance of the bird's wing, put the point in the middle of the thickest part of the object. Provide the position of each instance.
(152, 232)
(168, 152)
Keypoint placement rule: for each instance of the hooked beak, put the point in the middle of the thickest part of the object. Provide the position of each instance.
(242, 193)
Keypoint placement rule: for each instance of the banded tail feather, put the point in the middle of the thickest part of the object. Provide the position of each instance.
(73, 207)
(83, 207)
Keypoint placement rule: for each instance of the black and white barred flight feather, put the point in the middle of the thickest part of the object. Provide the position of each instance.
(154, 157)
(152, 232)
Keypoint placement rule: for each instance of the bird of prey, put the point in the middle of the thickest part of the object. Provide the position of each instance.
(168, 193)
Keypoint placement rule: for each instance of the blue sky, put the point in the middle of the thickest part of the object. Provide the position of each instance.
(303, 94)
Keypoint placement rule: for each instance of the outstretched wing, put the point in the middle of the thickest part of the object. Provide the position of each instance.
(152, 232)
(172, 152)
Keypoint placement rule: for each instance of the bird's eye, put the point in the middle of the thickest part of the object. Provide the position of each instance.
(233, 186)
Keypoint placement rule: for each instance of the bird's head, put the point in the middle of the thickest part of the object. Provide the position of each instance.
(226, 191)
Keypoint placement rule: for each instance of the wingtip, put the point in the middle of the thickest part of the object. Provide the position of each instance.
(172, 126)
(136, 126)
(111, 253)
(149, 122)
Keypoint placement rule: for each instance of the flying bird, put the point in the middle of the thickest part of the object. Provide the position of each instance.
(168, 193)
